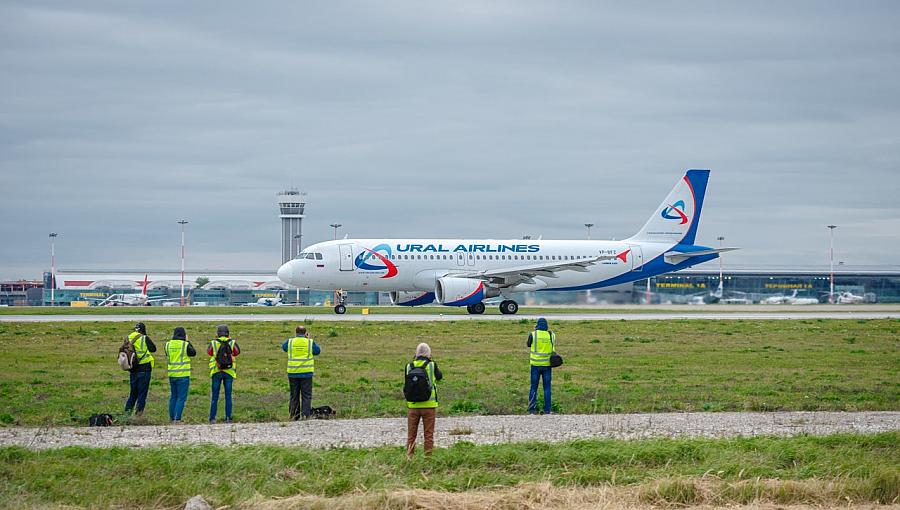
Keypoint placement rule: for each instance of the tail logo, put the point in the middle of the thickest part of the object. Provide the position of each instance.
(363, 258)
(678, 209)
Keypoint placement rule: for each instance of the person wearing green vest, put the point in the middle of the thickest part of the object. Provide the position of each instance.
(222, 375)
(541, 343)
(139, 375)
(301, 366)
(425, 411)
(179, 351)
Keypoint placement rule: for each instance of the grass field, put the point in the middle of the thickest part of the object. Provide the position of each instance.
(60, 373)
(833, 470)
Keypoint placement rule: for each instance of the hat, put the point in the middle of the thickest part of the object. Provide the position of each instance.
(140, 328)
(221, 330)
(179, 334)
(542, 324)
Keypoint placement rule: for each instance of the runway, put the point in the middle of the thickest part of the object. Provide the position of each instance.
(413, 317)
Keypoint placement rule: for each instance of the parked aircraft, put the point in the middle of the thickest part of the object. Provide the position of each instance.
(849, 298)
(793, 299)
(466, 272)
(132, 299)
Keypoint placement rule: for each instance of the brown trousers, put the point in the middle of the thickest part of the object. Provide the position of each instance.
(412, 429)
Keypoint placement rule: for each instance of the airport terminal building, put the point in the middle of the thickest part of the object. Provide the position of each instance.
(874, 284)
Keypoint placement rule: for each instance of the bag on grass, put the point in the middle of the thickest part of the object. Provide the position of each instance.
(126, 355)
(417, 387)
(100, 420)
(224, 360)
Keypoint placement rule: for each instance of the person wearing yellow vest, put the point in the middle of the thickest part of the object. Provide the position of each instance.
(301, 366)
(425, 411)
(139, 375)
(221, 375)
(179, 351)
(541, 344)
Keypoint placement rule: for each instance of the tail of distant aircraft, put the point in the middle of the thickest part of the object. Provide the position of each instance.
(144, 285)
(675, 220)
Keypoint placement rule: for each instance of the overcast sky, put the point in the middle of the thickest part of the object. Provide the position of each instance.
(442, 119)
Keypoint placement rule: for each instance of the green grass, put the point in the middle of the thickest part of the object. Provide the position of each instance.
(60, 373)
(863, 467)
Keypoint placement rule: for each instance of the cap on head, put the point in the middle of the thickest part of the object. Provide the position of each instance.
(179, 334)
(423, 350)
(542, 324)
(140, 328)
(222, 330)
(301, 330)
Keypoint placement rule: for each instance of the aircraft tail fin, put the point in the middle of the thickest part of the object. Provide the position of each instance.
(675, 220)
(144, 285)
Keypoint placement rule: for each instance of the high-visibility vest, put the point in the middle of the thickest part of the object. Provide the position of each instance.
(179, 362)
(141, 354)
(543, 344)
(300, 356)
(213, 368)
(432, 400)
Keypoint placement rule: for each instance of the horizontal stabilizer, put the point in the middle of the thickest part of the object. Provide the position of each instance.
(677, 257)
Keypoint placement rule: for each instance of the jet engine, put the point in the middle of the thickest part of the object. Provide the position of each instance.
(454, 291)
(411, 298)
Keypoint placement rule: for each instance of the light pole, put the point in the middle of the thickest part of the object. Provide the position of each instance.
(298, 237)
(721, 281)
(831, 257)
(335, 226)
(589, 225)
(182, 222)
(53, 268)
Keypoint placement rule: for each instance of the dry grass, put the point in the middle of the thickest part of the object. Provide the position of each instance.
(681, 493)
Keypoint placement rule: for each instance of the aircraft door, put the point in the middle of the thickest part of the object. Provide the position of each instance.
(460, 258)
(471, 258)
(637, 257)
(347, 257)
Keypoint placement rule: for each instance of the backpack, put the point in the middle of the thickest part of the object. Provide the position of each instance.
(100, 420)
(417, 387)
(126, 358)
(224, 360)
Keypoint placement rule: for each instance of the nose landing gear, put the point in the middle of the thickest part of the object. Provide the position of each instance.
(339, 298)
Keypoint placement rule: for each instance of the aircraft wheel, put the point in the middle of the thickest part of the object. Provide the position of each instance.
(340, 309)
(509, 307)
(476, 309)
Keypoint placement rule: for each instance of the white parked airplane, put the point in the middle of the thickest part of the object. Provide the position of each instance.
(465, 272)
(849, 298)
(793, 299)
(132, 299)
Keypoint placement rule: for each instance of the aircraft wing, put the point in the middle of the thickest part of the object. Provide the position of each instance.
(677, 257)
(507, 277)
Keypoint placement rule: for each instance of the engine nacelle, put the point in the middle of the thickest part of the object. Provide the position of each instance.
(411, 298)
(453, 291)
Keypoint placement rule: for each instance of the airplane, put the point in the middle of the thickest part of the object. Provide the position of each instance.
(793, 299)
(466, 272)
(849, 298)
(265, 301)
(131, 299)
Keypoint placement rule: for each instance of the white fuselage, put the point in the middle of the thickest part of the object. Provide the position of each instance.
(419, 262)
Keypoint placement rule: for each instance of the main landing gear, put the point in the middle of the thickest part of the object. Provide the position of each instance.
(476, 309)
(509, 307)
(339, 298)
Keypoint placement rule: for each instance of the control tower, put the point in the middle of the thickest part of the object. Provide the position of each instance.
(291, 204)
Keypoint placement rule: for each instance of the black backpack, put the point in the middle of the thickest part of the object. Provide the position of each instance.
(100, 420)
(224, 361)
(417, 387)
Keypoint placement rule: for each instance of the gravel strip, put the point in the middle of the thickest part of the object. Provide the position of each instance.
(372, 432)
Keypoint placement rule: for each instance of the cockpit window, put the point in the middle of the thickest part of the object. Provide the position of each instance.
(318, 256)
(301, 255)
(310, 256)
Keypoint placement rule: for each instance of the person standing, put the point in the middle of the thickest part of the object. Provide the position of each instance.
(421, 408)
(222, 369)
(179, 352)
(139, 375)
(301, 351)
(541, 342)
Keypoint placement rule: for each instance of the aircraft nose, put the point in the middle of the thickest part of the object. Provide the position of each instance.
(286, 273)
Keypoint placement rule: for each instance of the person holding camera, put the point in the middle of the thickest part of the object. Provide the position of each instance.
(301, 367)
(420, 392)
(541, 344)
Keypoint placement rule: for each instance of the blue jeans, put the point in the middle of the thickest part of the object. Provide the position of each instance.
(139, 386)
(178, 392)
(217, 379)
(538, 373)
